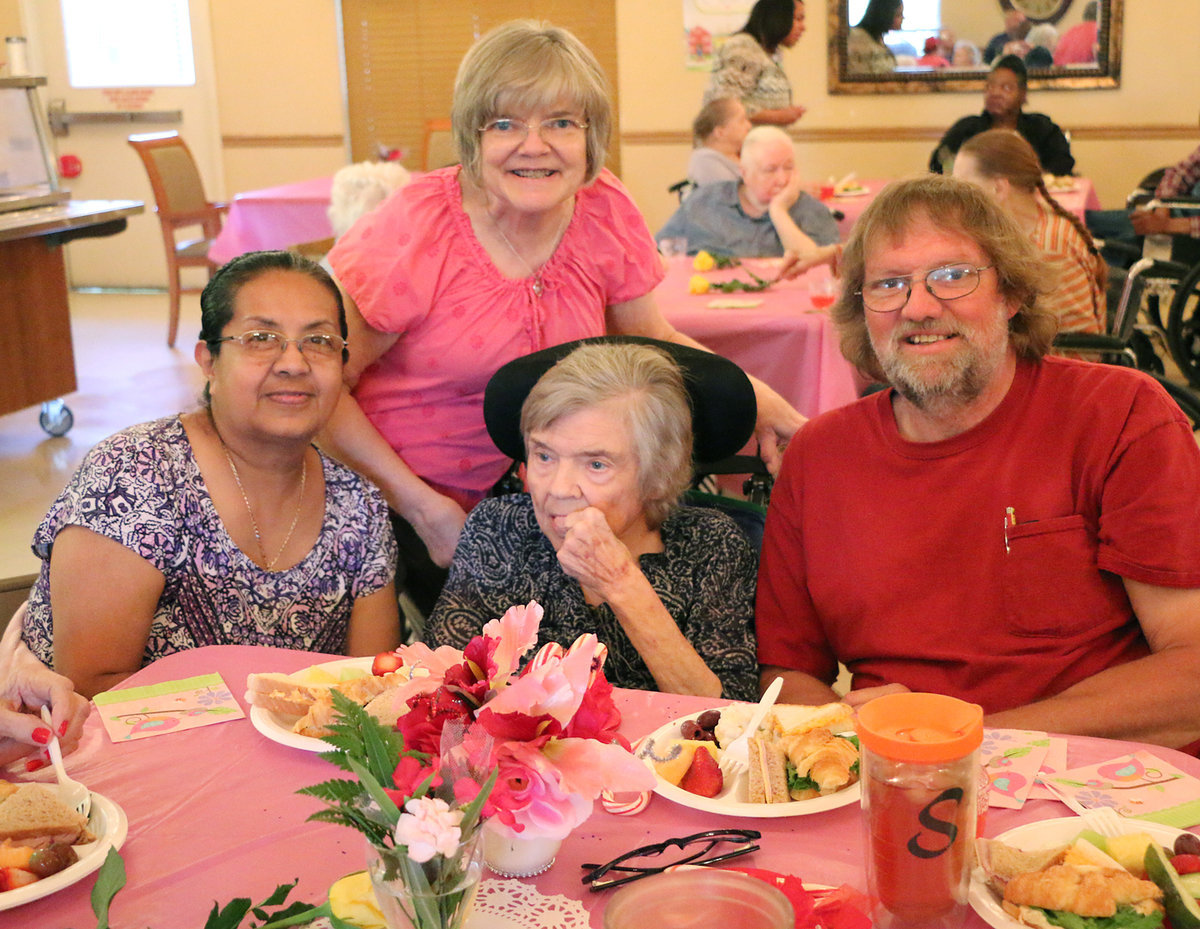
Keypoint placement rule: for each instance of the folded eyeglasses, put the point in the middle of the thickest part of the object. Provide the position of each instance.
(699, 849)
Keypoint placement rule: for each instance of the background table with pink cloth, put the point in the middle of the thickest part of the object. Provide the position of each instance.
(213, 813)
(784, 340)
(275, 217)
(1081, 197)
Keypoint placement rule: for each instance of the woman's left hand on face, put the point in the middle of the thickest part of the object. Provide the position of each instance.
(591, 554)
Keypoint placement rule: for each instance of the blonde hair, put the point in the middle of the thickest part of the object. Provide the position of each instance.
(655, 404)
(529, 65)
(957, 207)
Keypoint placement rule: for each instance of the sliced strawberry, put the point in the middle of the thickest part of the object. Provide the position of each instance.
(12, 878)
(385, 663)
(1186, 864)
(703, 776)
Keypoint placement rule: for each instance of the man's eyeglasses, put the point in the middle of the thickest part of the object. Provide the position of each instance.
(265, 343)
(949, 282)
(701, 848)
(551, 131)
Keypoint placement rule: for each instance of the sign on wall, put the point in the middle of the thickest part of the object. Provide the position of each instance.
(706, 23)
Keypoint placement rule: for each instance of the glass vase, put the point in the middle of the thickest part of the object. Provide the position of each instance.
(437, 894)
(513, 854)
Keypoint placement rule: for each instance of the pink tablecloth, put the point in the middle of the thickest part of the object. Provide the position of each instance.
(1082, 197)
(213, 813)
(275, 217)
(782, 340)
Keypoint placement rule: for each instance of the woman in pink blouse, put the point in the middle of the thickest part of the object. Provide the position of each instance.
(528, 243)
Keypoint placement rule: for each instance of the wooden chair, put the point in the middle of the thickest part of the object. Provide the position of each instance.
(438, 146)
(180, 203)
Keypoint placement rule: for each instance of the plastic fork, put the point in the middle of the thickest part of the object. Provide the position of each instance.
(1106, 821)
(735, 758)
(70, 791)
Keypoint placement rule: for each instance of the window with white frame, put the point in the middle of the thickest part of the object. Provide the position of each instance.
(128, 43)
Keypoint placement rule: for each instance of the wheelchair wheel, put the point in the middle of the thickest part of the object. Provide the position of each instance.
(1183, 326)
(1187, 399)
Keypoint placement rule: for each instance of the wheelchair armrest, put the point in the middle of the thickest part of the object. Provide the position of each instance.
(1089, 342)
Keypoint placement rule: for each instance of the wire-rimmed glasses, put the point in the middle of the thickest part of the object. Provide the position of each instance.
(700, 849)
(266, 343)
(949, 282)
(552, 131)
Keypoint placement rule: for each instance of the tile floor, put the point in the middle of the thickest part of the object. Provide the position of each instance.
(126, 375)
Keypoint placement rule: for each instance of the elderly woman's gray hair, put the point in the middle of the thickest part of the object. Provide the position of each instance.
(655, 403)
(525, 66)
(956, 207)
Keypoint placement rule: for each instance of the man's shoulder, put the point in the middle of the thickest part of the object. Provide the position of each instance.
(1080, 387)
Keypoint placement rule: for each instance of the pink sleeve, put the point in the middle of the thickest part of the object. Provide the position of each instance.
(616, 241)
(390, 260)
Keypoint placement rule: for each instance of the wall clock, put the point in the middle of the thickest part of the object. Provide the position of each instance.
(1039, 11)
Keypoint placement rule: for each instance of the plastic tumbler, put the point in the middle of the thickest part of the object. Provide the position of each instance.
(920, 770)
(699, 898)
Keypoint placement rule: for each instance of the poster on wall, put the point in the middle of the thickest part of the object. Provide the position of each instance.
(706, 23)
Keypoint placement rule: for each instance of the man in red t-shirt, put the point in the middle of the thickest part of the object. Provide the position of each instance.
(1012, 529)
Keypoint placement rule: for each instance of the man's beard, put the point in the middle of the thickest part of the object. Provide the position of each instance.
(933, 384)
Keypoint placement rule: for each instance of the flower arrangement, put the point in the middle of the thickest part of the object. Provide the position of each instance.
(477, 737)
(703, 261)
(549, 730)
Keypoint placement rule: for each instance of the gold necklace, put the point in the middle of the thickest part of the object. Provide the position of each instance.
(262, 552)
(537, 285)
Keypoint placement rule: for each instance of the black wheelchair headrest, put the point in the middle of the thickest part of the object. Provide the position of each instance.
(721, 396)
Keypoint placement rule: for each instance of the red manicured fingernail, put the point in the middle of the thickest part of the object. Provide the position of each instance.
(34, 763)
(42, 735)
(62, 730)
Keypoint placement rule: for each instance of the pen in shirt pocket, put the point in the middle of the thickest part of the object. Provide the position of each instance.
(1010, 520)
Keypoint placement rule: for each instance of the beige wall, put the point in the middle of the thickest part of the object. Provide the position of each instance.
(10, 18)
(1160, 86)
(279, 90)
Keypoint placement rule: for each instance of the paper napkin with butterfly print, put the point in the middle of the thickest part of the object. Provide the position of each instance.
(172, 706)
(1140, 786)
(1012, 759)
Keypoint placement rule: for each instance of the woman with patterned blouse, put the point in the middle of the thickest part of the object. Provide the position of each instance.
(225, 525)
(599, 541)
(748, 63)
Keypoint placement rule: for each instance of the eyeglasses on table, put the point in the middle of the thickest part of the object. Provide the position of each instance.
(703, 848)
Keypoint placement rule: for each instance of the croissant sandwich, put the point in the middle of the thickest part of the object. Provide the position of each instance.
(1060, 886)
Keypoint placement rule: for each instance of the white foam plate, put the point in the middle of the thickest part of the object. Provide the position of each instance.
(108, 823)
(726, 802)
(278, 728)
(1046, 834)
(851, 194)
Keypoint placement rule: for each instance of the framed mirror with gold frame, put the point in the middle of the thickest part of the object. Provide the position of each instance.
(1104, 72)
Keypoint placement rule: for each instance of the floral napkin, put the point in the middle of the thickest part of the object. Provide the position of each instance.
(1012, 759)
(1140, 786)
(173, 706)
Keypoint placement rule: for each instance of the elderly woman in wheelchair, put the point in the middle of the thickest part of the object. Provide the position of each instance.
(599, 540)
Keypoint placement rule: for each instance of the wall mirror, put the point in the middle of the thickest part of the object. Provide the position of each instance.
(977, 21)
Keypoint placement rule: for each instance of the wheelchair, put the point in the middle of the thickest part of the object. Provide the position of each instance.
(724, 411)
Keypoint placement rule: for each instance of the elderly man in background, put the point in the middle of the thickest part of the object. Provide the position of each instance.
(764, 214)
(1003, 526)
(1004, 97)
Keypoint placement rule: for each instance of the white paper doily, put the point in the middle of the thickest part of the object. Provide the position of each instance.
(512, 904)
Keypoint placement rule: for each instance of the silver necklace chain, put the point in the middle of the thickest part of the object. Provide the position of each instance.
(268, 564)
(537, 285)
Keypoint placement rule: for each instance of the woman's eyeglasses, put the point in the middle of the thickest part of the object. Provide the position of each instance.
(699, 849)
(949, 282)
(553, 130)
(264, 343)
